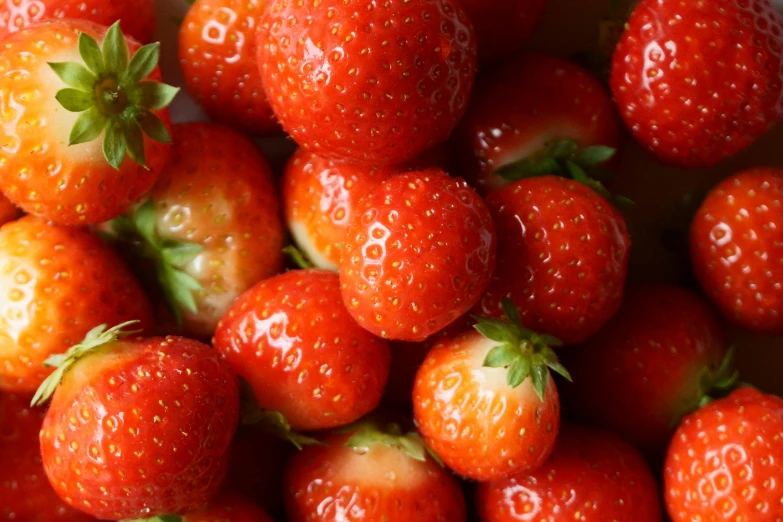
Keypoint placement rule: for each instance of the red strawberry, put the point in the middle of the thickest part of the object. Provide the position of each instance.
(723, 461)
(300, 351)
(737, 247)
(503, 26)
(25, 494)
(374, 473)
(77, 137)
(138, 17)
(217, 52)
(419, 252)
(697, 82)
(58, 283)
(228, 507)
(653, 363)
(590, 476)
(562, 257)
(377, 85)
(211, 225)
(8, 212)
(485, 402)
(137, 428)
(530, 117)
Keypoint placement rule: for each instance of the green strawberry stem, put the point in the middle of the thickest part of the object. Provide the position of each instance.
(297, 257)
(721, 383)
(522, 352)
(110, 92)
(95, 339)
(369, 433)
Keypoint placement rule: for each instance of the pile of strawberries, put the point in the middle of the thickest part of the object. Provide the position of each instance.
(386, 331)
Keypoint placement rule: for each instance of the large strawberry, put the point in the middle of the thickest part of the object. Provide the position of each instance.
(228, 507)
(697, 82)
(737, 247)
(419, 253)
(217, 52)
(591, 476)
(137, 18)
(82, 140)
(562, 257)
(57, 284)
(294, 342)
(531, 116)
(8, 212)
(377, 83)
(373, 472)
(503, 26)
(137, 427)
(653, 363)
(723, 461)
(211, 225)
(485, 401)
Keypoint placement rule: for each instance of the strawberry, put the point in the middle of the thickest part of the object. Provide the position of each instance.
(138, 17)
(25, 494)
(371, 473)
(531, 116)
(376, 85)
(697, 82)
(736, 247)
(137, 427)
(211, 226)
(8, 212)
(485, 402)
(58, 283)
(419, 252)
(228, 507)
(653, 363)
(590, 476)
(503, 26)
(722, 462)
(562, 257)
(217, 53)
(81, 141)
(300, 351)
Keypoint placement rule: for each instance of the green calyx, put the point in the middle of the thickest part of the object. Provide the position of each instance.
(275, 423)
(297, 257)
(110, 91)
(368, 434)
(170, 257)
(720, 383)
(95, 339)
(522, 352)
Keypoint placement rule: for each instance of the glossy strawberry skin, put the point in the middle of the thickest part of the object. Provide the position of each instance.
(25, 494)
(648, 367)
(378, 85)
(418, 255)
(721, 464)
(524, 105)
(736, 247)
(68, 185)
(137, 18)
(562, 257)
(228, 507)
(300, 351)
(63, 282)
(591, 476)
(481, 427)
(8, 212)
(335, 483)
(697, 82)
(141, 428)
(217, 53)
(503, 26)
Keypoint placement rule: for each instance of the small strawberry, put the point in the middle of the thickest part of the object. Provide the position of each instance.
(591, 476)
(653, 363)
(25, 494)
(228, 507)
(533, 116)
(137, 18)
(8, 212)
(377, 85)
(419, 252)
(723, 461)
(294, 342)
(57, 284)
(485, 401)
(211, 225)
(372, 473)
(503, 26)
(697, 82)
(217, 53)
(137, 428)
(81, 141)
(737, 247)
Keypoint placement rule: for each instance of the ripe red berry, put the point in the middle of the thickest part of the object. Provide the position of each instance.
(503, 26)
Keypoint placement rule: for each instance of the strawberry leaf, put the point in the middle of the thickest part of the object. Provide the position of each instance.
(153, 127)
(74, 75)
(115, 50)
(90, 52)
(74, 100)
(518, 371)
(114, 147)
(275, 423)
(501, 356)
(297, 257)
(540, 377)
(153, 95)
(369, 433)
(142, 64)
(89, 125)
(134, 141)
(593, 156)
